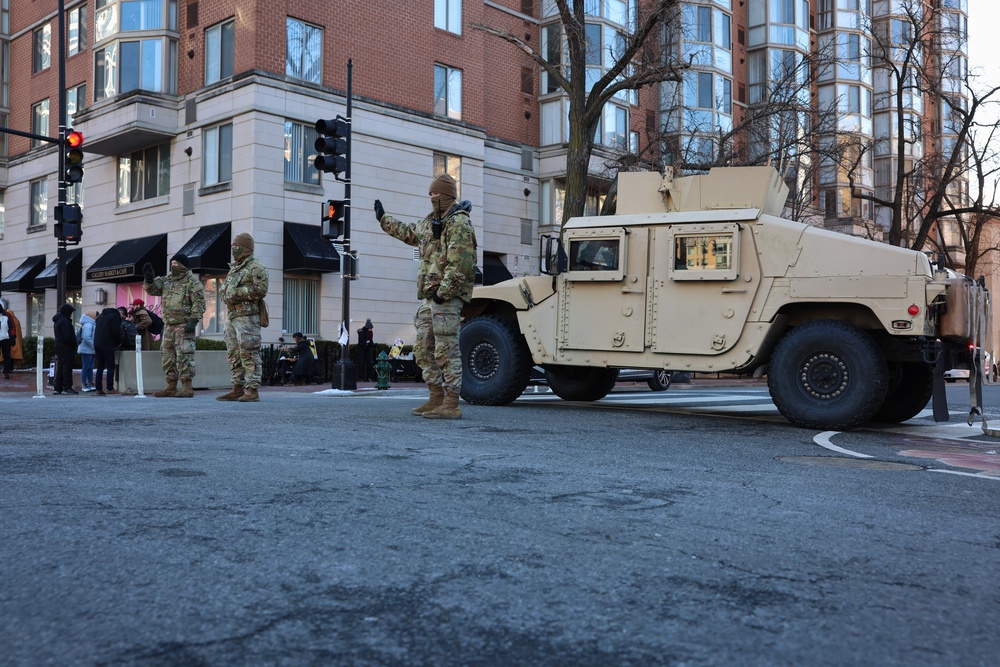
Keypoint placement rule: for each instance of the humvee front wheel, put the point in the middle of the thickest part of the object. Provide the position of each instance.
(827, 375)
(496, 362)
(910, 389)
(581, 383)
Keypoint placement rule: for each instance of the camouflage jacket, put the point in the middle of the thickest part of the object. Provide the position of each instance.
(447, 264)
(183, 297)
(245, 287)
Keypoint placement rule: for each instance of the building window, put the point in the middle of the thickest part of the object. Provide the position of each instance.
(144, 175)
(39, 121)
(39, 203)
(219, 52)
(218, 154)
(451, 165)
(3, 194)
(214, 319)
(4, 75)
(448, 15)
(448, 92)
(613, 129)
(300, 152)
(43, 48)
(76, 30)
(135, 64)
(527, 231)
(76, 100)
(304, 55)
(300, 305)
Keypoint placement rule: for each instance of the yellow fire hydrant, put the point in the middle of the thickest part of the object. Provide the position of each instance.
(382, 368)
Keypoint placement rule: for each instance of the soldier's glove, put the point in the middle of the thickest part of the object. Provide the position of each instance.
(190, 326)
(148, 273)
(379, 211)
(437, 299)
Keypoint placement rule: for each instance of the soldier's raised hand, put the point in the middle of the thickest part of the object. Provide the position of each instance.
(148, 273)
(379, 210)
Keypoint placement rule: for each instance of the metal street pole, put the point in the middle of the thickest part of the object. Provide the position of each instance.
(61, 251)
(344, 373)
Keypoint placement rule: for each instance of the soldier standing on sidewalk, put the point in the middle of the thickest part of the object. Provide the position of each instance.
(243, 293)
(183, 305)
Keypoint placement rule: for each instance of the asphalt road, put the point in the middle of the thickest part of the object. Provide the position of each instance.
(340, 530)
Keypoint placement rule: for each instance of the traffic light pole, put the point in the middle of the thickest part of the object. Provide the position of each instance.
(61, 249)
(345, 374)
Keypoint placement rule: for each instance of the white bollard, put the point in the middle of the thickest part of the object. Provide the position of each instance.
(38, 368)
(138, 366)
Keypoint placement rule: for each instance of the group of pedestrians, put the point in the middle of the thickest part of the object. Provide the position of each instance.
(100, 338)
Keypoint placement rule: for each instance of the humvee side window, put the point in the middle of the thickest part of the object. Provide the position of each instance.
(594, 255)
(709, 256)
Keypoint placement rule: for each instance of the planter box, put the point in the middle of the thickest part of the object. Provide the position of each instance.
(211, 371)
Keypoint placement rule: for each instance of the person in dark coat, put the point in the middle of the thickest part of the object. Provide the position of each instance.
(303, 355)
(107, 338)
(65, 336)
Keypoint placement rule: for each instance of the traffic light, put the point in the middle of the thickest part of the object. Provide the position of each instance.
(333, 218)
(69, 223)
(73, 157)
(332, 145)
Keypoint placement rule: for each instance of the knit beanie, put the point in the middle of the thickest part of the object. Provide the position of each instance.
(244, 240)
(181, 259)
(444, 184)
(67, 310)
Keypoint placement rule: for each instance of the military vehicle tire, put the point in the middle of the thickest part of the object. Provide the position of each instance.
(827, 375)
(581, 383)
(910, 389)
(496, 362)
(660, 381)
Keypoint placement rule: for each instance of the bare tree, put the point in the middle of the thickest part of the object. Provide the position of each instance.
(637, 61)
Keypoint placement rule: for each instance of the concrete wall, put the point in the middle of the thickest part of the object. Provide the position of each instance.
(211, 372)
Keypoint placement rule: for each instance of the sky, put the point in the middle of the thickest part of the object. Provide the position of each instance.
(984, 49)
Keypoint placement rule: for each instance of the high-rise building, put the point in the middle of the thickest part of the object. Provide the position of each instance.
(199, 116)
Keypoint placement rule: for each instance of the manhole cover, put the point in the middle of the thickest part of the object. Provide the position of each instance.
(840, 462)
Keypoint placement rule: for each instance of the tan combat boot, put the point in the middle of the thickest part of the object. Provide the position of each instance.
(447, 410)
(434, 402)
(169, 390)
(186, 390)
(233, 395)
(251, 396)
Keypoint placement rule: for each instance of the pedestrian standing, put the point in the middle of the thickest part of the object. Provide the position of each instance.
(445, 277)
(142, 321)
(8, 334)
(65, 343)
(183, 305)
(243, 292)
(107, 338)
(88, 322)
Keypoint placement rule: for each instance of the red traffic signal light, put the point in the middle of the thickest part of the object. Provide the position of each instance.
(73, 157)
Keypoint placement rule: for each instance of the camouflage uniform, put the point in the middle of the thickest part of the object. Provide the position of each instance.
(183, 300)
(242, 292)
(448, 268)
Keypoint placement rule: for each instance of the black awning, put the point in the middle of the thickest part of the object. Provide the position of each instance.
(208, 251)
(22, 279)
(494, 270)
(74, 272)
(306, 251)
(122, 263)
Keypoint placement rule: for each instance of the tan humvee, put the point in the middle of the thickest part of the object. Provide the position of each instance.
(701, 273)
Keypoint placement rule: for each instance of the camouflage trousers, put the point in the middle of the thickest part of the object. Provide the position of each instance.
(436, 349)
(177, 353)
(243, 349)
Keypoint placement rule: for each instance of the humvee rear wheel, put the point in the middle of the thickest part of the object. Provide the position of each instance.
(827, 375)
(496, 362)
(910, 389)
(581, 383)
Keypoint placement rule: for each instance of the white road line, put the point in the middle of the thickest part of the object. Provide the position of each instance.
(965, 474)
(823, 440)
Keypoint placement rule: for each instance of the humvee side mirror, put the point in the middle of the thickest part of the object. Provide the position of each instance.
(552, 258)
